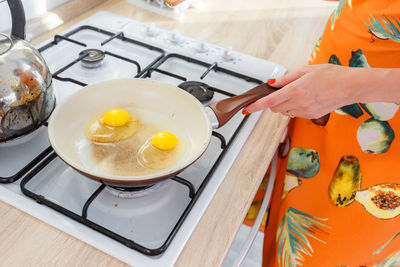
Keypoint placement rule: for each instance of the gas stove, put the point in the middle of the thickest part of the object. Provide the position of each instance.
(147, 227)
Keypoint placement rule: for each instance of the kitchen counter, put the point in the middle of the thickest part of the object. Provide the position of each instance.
(283, 31)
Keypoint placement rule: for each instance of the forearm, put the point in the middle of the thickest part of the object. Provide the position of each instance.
(375, 85)
(316, 90)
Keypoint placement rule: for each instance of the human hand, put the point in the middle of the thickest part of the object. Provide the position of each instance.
(311, 91)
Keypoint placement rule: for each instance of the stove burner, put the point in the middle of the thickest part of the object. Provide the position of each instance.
(198, 89)
(132, 189)
(94, 59)
(134, 192)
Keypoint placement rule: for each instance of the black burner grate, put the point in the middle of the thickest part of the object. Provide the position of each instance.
(26, 168)
(142, 72)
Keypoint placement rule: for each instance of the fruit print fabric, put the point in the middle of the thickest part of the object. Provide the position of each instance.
(303, 162)
(363, 169)
(382, 201)
(293, 236)
(345, 182)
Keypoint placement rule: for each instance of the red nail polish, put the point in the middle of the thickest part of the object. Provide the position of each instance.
(245, 112)
(271, 81)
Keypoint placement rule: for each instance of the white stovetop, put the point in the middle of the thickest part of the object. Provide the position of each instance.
(226, 58)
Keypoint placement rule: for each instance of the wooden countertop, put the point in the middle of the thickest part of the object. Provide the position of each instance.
(283, 31)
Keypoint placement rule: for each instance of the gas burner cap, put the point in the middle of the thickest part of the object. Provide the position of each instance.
(198, 89)
(135, 192)
(94, 59)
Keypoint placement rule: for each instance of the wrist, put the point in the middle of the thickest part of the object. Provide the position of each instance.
(371, 85)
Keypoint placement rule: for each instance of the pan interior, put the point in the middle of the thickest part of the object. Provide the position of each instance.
(181, 113)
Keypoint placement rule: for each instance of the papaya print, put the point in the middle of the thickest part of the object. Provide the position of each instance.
(291, 182)
(336, 13)
(392, 260)
(255, 206)
(384, 28)
(303, 162)
(253, 210)
(358, 59)
(355, 150)
(382, 111)
(375, 136)
(346, 181)
(292, 236)
(382, 201)
(387, 243)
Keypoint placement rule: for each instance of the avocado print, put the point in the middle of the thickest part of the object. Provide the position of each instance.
(378, 110)
(321, 121)
(358, 59)
(353, 110)
(303, 162)
(345, 182)
(291, 182)
(382, 201)
(375, 136)
(381, 111)
(334, 60)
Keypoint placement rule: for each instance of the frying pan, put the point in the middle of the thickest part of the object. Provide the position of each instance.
(190, 120)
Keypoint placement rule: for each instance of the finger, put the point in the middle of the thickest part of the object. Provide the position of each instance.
(269, 101)
(283, 107)
(286, 79)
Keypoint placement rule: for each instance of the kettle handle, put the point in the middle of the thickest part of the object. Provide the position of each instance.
(18, 18)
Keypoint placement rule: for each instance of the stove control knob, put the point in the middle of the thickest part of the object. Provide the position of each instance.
(176, 37)
(151, 30)
(228, 54)
(201, 47)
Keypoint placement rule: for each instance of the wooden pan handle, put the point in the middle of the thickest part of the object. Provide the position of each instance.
(225, 109)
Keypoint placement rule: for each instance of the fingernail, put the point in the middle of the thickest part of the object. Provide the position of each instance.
(245, 112)
(271, 81)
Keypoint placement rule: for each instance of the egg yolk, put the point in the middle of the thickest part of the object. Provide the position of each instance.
(164, 140)
(116, 117)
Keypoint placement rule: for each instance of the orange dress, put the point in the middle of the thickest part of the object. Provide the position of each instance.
(336, 200)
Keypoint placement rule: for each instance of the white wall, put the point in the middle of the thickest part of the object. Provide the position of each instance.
(33, 9)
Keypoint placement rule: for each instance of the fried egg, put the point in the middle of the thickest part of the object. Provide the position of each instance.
(112, 126)
(161, 151)
(164, 140)
(136, 155)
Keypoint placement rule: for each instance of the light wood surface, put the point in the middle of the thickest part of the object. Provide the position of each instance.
(283, 31)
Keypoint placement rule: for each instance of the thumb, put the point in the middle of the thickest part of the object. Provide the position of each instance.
(268, 101)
